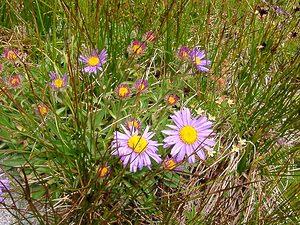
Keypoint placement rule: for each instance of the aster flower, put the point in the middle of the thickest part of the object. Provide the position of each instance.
(141, 85)
(42, 109)
(150, 36)
(134, 149)
(137, 48)
(172, 99)
(11, 54)
(183, 52)
(196, 56)
(132, 124)
(123, 91)
(94, 61)
(189, 136)
(58, 84)
(170, 163)
(4, 185)
(15, 81)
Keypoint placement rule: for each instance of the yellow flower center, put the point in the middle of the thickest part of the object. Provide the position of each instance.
(138, 144)
(93, 61)
(123, 91)
(197, 60)
(188, 135)
(170, 164)
(103, 171)
(58, 83)
(171, 100)
(43, 110)
(11, 55)
(137, 49)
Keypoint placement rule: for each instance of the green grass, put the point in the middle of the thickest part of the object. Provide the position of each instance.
(53, 162)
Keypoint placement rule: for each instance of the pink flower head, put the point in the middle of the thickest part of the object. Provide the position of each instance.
(134, 149)
(189, 136)
(58, 84)
(196, 56)
(141, 85)
(15, 81)
(42, 109)
(94, 61)
(183, 52)
(137, 48)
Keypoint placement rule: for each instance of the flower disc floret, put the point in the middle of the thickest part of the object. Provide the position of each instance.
(188, 135)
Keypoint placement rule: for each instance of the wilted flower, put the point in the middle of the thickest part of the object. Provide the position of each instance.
(132, 124)
(150, 36)
(94, 61)
(103, 171)
(137, 48)
(123, 91)
(183, 52)
(141, 85)
(134, 149)
(189, 136)
(42, 109)
(58, 84)
(4, 185)
(196, 56)
(11, 54)
(15, 81)
(171, 163)
(172, 99)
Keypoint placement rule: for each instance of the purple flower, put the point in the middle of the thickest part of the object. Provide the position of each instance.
(183, 52)
(4, 185)
(141, 85)
(94, 61)
(58, 84)
(189, 136)
(134, 149)
(196, 56)
(15, 81)
(172, 99)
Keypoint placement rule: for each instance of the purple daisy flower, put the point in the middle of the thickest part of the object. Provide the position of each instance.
(196, 56)
(11, 54)
(183, 52)
(4, 185)
(94, 61)
(141, 85)
(134, 149)
(58, 84)
(188, 136)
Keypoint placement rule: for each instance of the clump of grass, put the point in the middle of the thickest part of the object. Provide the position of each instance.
(57, 132)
